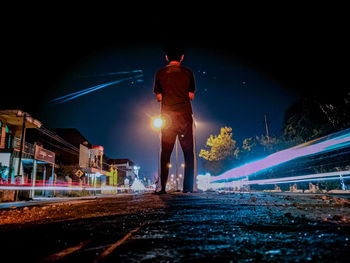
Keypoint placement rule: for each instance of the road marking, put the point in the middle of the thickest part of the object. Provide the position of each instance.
(115, 245)
(65, 252)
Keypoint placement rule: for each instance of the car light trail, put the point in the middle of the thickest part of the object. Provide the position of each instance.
(62, 188)
(321, 145)
(293, 179)
(303, 178)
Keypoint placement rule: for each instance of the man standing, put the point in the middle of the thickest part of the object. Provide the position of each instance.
(174, 86)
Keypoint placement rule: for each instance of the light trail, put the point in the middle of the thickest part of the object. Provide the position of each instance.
(77, 94)
(321, 145)
(307, 180)
(341, 175)
(114, 73)
(303, 178)
(62, 188)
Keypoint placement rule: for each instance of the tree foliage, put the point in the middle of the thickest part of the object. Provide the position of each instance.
(220, 146)
(219, 151)
(222, 152)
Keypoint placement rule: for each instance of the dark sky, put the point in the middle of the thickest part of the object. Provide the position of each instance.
(248, 61)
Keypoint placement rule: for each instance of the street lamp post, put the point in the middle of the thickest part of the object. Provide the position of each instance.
(157, 123)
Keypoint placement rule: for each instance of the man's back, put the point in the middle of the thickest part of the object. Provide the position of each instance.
(175, 82)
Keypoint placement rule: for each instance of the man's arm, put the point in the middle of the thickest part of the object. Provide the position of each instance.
(192, 87)
(157, 89)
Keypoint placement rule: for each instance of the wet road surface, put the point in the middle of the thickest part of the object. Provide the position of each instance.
(203, 227)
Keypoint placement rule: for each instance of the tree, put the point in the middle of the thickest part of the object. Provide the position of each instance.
(258, 147)
(310, 118)
(219, 150)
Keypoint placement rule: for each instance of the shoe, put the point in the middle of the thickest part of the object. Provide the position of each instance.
(187, 191)
(162, 192)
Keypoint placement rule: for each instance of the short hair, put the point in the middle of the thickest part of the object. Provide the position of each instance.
(174, 51)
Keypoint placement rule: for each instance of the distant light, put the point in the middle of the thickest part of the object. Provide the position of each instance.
(203, 182)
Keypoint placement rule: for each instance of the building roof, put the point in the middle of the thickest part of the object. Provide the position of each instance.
(73, 136)
(15, 118)
(120, 161)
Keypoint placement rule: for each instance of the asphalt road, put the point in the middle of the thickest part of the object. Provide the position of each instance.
(203, 227)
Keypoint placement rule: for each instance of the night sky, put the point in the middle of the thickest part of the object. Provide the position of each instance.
(247, 62)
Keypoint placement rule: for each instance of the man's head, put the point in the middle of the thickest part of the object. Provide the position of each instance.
(174, 53)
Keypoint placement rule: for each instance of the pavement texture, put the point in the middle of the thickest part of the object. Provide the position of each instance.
(198, 227)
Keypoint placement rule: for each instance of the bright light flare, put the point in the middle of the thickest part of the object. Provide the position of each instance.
(157, 122)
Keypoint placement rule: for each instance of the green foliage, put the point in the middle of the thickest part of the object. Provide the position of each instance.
(220, 146)
(220, 151)
(307, 119)
(257, 147)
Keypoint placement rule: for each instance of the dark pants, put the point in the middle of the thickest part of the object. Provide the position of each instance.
(177, 124)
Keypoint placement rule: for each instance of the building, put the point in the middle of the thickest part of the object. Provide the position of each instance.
(20, 160)
(88, 164)
(127, 171)
(31, 154)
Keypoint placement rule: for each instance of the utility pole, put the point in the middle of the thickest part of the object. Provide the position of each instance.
(267, 129)
(176, 168)
(21, 147)
(22, 144)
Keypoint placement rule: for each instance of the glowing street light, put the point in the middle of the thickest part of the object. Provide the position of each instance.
(157, 122)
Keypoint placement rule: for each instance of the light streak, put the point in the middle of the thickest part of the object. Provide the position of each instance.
(321, 145)
(77, 94)
(303, 178)
(307, 180)
(114, 73)
(292, 179)
(62, 188)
